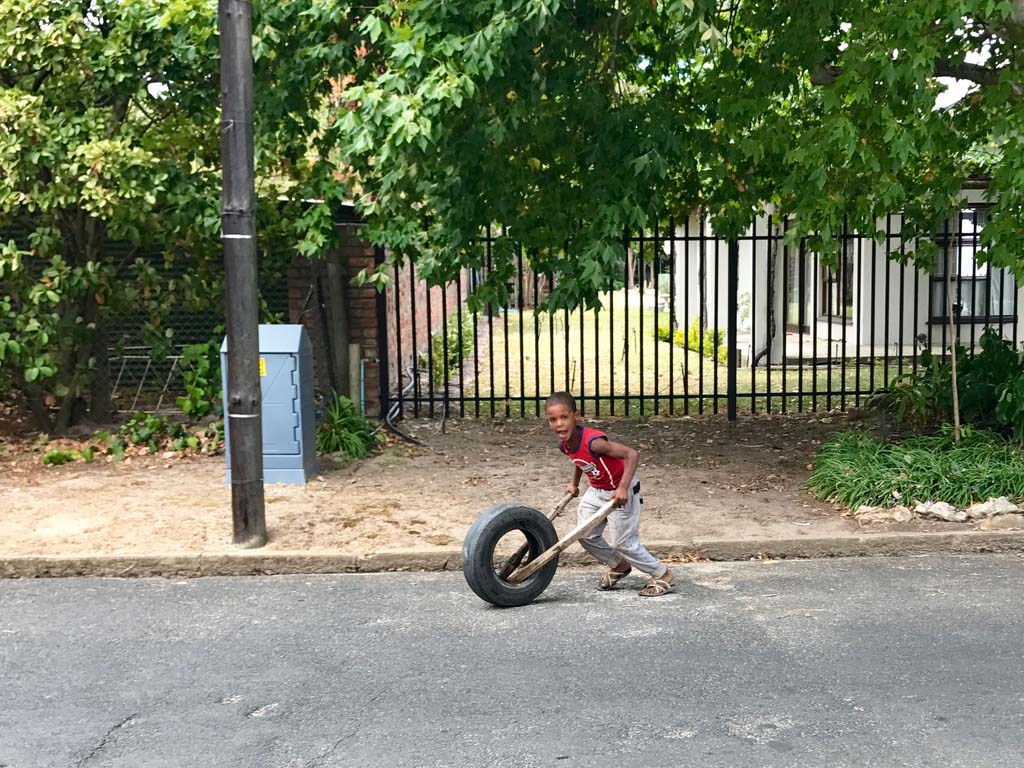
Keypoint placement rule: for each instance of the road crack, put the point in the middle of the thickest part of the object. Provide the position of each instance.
(318, 761)
(106, 738)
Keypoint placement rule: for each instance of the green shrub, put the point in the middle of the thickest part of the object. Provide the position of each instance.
(458, 348)
(345, 430)
(157, 434)
(713, 347)
(56, 458)
(200, 370)
(1010, 407)
(855, 468)
(116, 447)
(150, 431)
(990, 384)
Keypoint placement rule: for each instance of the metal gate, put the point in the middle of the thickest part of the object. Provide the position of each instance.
(697, 324)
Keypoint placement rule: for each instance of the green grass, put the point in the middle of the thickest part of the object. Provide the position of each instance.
(855, 468)
(587, 352)
(579, 352)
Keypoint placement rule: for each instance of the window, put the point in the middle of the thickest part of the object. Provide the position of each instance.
(796, 290)
(836, 300)
(981, 293)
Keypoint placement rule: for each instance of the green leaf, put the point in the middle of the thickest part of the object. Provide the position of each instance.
(372, 27)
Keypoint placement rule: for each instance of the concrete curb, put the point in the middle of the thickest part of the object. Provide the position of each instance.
(249, 562)
(861, 545)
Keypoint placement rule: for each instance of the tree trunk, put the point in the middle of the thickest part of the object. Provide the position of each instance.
(100, 392)
(64, 415)
(952, 350)
(37, 405)
(68, 374)
(337, 332)
(85, 239)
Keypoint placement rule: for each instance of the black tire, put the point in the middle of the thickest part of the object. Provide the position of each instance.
(478, 554)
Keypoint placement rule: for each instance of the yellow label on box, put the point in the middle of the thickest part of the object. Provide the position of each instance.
(263, 367)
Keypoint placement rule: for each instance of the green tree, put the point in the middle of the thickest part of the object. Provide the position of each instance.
(109, 130)
(569, 120)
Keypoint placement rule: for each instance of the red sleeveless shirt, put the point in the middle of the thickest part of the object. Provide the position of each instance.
(603, 472)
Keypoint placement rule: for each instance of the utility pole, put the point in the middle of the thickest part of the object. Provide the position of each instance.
(242, 410)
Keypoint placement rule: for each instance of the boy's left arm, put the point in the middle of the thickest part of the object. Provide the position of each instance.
(605, 447)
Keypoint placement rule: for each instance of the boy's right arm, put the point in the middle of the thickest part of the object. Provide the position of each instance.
(574, 486)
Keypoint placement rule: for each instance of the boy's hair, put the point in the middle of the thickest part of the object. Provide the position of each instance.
(561, 398)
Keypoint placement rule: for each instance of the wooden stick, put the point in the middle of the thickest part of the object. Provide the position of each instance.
(563, 544)
(517, 558)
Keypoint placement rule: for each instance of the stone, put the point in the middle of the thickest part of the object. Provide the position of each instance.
(866, 514)
(942, 510)
(995, 506)
(1002, 522)
(902, 514)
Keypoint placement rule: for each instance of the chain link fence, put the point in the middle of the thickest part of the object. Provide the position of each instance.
(148, 379)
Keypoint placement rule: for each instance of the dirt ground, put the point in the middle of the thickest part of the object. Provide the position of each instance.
(701, 477)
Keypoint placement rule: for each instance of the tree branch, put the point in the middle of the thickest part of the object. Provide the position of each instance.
(613, 35)
(732, 19)
(118, 112)
(1002, 32)
(41, 76)
(120, 108)
(964, 71)
(827, 74)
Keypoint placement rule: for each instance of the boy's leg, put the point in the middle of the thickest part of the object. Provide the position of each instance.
(594, 542)
(624, 525)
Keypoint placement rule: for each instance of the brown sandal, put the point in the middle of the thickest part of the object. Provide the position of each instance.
(657, 588)
(612, 577)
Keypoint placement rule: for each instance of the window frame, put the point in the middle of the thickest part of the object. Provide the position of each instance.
(828, 277)
(939, 315)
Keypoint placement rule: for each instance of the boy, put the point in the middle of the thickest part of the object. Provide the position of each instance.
(610, 469)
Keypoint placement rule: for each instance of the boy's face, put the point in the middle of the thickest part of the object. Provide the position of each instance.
(561, 419)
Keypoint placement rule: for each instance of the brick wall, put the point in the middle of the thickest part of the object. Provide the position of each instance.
(307, 297)
(404, 292)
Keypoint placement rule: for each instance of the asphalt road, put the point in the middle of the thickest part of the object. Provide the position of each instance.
(874, 662)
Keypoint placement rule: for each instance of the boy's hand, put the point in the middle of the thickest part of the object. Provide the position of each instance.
(573, 490)
(620, 496)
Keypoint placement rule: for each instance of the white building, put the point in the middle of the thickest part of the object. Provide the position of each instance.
(791, 305)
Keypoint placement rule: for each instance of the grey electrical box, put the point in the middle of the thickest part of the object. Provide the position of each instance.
(289, 424)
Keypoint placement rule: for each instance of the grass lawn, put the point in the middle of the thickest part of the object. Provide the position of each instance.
(614, 352)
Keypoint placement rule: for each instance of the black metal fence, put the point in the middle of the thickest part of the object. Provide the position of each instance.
(696, 324)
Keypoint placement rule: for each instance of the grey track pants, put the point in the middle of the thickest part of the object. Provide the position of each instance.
(623, 526)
